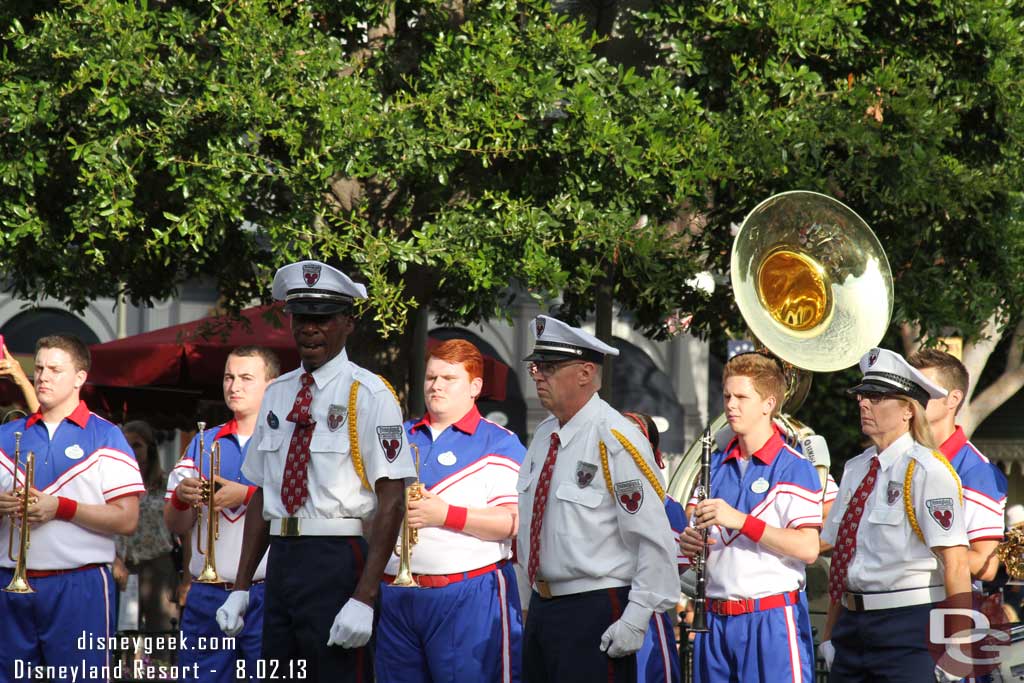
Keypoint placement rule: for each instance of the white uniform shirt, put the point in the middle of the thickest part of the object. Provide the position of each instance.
(87, 460)
(588, 533)
(335, 489)
(780, 487)
(889, 555)
(230, 524)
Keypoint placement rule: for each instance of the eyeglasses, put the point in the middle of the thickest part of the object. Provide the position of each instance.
(546, 368)
(874, 398)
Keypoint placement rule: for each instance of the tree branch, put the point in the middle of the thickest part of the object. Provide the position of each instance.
(910, 335)
(977, 352)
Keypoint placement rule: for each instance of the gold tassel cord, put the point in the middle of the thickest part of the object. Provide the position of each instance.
(353, 435)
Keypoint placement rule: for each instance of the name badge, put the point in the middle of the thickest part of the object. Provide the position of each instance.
(447, 458)
(760, 485)
(74, 452)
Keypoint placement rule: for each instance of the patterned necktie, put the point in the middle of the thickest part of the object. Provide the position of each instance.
(294, 491)
(846, 538)
(540, 499)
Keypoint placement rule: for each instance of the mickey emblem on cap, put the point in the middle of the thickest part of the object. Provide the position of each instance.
(540, 326)
(311, 273)
(872, 357)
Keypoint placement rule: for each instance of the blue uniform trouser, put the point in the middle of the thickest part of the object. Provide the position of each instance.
(219, 657)
(309, 579)
(58, 626)
(770, 646)
(658, 659)
(466, 632)
(882, 646)
(563, 635)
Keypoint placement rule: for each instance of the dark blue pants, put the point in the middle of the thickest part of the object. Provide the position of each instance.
(562, 639)
(65, 623)
(201, 632)
(309, 579)
(882, 646)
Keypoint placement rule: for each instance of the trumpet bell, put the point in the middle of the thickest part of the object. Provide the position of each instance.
(811, 281)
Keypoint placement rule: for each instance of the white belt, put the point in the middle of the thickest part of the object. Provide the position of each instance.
(301, 526)
(555, 589)
(866, 602)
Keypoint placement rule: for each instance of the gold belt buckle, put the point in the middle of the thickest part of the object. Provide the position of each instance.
(543, 589)
(853, 602)
(290, 526)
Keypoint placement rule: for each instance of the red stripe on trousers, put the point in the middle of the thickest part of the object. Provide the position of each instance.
(613, 598)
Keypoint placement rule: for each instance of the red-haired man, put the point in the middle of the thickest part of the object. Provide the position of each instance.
(465, 625)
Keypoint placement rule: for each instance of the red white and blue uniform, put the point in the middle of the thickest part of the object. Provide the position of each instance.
(758, 625)
(465, 624)
(984, 488)
(89, 461)
(199, 619)
(658, 660)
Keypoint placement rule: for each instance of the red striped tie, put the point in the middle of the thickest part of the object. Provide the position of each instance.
(540, 499)
(846, 537)
(294, 490)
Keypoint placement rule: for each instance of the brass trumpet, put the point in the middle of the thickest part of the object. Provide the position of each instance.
(19, 582)
(212, 528)
(409, 537)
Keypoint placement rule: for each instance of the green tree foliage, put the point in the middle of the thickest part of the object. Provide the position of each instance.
(444, 153)
(911, 112)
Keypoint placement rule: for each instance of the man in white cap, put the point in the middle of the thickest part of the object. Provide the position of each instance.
(329, 453)
(593, 537)
(897, 529)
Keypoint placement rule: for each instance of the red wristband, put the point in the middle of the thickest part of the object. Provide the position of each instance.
(456, 518)
(249, 494)
(66, 508)
(753, 528)
(177, 502)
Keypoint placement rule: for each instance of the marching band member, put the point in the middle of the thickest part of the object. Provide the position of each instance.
(466, 624)
(898, 532)
(594, 537)
(86, 490)
(984, 486)
(328, 453)
(247, 372)
(657, 660)
(762, 522)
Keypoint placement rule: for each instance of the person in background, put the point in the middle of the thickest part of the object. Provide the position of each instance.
(148, 552)
(247, 372)
(657, 661)
(10, 369)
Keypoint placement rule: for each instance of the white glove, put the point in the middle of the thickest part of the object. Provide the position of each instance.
(943, 676)
(230, 614)
(828, 653)
(626, 635)
(353, 625)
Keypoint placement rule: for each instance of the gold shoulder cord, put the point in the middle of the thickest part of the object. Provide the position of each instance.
(604, 468)
(353, 436)
(648, 473)
(908, 503)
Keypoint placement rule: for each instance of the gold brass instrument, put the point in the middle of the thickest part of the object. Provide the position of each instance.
(409, 537)
(19, 582)
(1011, 552)
(813, 285)
(212, 528)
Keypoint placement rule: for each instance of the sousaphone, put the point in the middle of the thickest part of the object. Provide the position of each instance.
(813, 285)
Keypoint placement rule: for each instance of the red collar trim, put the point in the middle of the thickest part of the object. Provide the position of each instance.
(766, 453)
(468, 423)
(79, 416)
(954, 443)
(228, 428)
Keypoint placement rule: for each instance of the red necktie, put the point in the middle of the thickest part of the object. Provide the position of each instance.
(294, 491)
(540, 500)
(846, 538)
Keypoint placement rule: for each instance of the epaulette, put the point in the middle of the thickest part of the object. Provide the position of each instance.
(638, 459)
(371, 380)
(908, 478)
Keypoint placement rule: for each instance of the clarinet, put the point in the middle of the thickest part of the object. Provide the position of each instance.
(702, 493)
